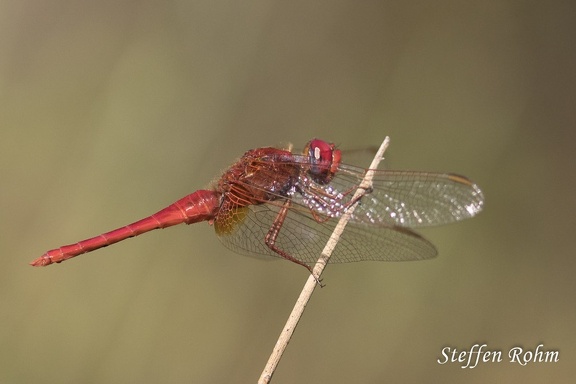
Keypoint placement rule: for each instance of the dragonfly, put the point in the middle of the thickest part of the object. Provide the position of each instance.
(277, 203)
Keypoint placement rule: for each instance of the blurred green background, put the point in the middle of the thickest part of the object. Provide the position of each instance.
(113, 109)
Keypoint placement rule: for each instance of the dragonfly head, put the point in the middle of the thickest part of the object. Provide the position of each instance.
(324, 160)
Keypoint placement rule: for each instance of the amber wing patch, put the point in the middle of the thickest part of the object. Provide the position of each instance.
(229, 218)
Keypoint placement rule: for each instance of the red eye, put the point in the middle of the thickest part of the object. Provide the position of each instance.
(321, 151)
(324, 158)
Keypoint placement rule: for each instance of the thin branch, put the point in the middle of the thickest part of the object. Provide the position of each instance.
(306, 293)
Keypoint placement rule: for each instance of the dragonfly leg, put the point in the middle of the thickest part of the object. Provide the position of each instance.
(272, 235)
(367, 191)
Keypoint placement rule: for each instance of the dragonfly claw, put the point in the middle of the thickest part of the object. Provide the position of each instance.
(317, 278)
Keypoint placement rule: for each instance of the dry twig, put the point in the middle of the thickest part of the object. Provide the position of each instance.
(306, 293)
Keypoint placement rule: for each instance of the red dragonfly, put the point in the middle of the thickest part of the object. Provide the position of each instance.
(277, 203)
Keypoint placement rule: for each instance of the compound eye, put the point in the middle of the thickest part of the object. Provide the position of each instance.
(321, 151)
(324, 160)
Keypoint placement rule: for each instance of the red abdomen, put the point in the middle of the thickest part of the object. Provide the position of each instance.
(199, 206)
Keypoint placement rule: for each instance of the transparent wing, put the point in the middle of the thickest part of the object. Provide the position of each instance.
(397, 198)
(303, 237)
(412, 199)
